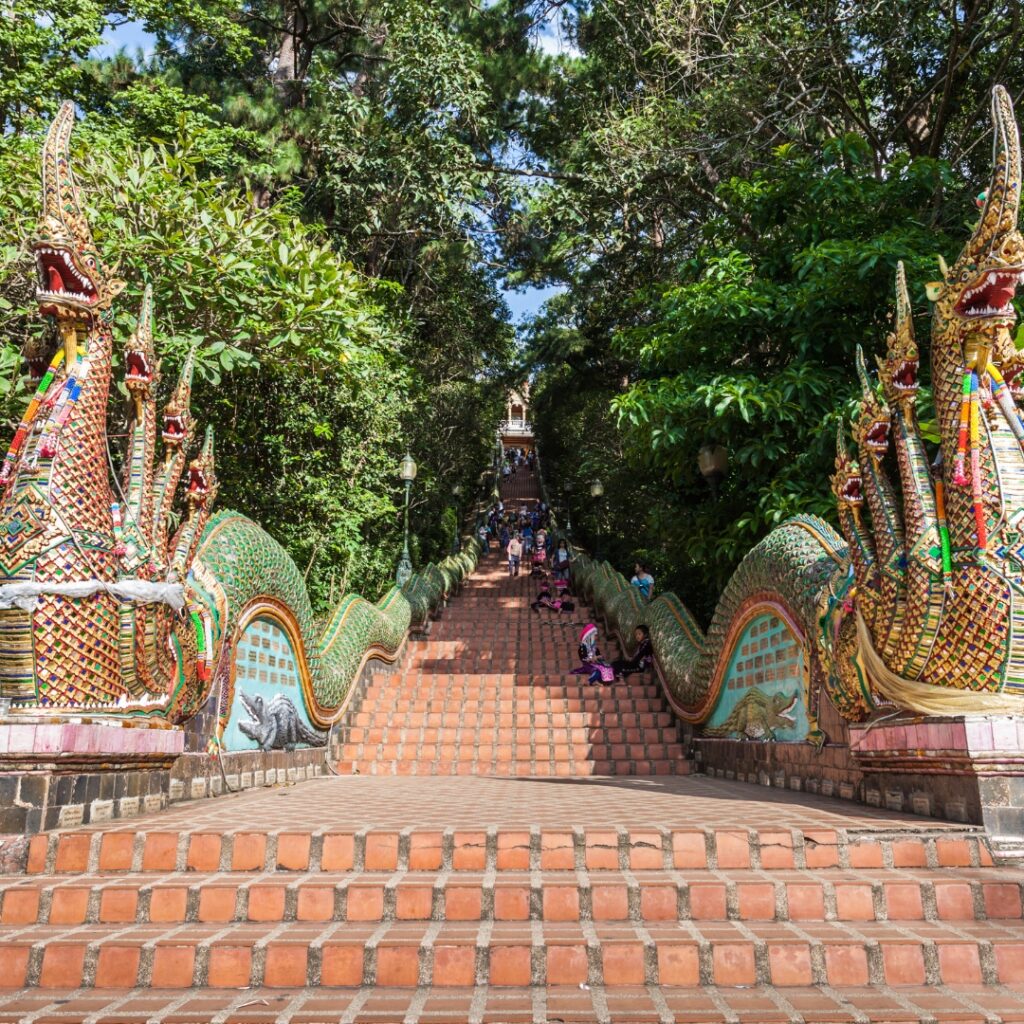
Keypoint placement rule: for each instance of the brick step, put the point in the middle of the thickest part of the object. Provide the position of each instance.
(396, 733)
(593, 703)
(521, 769)
(433, 688)
(451, 719)
(964, 895)
(127, 848)
(407, 954)
(449, 714)
(710, 1004)
(487, 748)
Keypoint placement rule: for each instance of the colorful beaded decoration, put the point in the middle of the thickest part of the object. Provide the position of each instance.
(1002, 395)
(204, 642)
(25, 426)
(944, 543)
(62, 410)
(959, 476)
(980, 529)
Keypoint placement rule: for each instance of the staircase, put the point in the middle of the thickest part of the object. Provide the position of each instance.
(489, 692)
(607, 886)
(467, 702)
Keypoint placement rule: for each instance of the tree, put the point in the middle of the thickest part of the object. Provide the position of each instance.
(726, 190)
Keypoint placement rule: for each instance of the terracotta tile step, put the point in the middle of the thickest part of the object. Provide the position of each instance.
(452, 719)
(124, 847)
(415, 688)
(519, 768)
(512, 894)
(505, 734)
(515, 1005)
(484, 731)
(594, 703)
(499, 748)
(501, 953)
(643, 685)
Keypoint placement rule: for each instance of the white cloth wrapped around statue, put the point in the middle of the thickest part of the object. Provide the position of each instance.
(23, 595)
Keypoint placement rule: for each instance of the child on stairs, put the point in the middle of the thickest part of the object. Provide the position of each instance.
(643, 655)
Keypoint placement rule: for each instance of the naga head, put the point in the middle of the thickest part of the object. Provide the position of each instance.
(72, 283)
(37, 354)
(977, 293)
(202, 477)
(847, 484)
(871, 428)
(177, 415)
(1011, 366)
(898, 370)
(140, 356)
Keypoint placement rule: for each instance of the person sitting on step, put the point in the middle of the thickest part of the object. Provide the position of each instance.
(643, 655)
(556, 604)
(592, 664)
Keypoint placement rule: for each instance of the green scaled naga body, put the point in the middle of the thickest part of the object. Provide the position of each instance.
(103, 603)
(919, 604)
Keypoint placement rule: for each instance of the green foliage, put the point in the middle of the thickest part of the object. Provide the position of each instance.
(41, 46)
(304, 191)
(326, 197)
(242, 283)
(314, 459)
(45, 45)
(724, 253)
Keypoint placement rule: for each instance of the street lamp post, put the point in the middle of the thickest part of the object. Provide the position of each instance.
(597, 492)
(407, 472)
(457, 542)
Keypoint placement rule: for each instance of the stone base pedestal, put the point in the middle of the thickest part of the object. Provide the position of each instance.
(64, 771)
(965, 768)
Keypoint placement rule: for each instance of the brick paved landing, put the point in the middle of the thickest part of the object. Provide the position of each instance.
(441, 884)
(375, 802)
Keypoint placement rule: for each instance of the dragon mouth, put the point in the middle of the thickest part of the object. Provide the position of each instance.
(197, 484)
(1011, 378)
(785, 712)
(877, 436)
(905, 377)
(851, 491)
(991, 295)
(37, 365)
(61, 285)
(174, 429)
(138, 370)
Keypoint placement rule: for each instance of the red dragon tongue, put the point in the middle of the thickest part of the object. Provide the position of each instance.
(56, 281)
(1001, 295)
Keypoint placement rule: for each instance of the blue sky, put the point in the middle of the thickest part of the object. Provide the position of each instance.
(525, 303)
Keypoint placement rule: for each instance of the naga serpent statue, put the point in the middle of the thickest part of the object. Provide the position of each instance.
(103, 605)
(920, 603)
